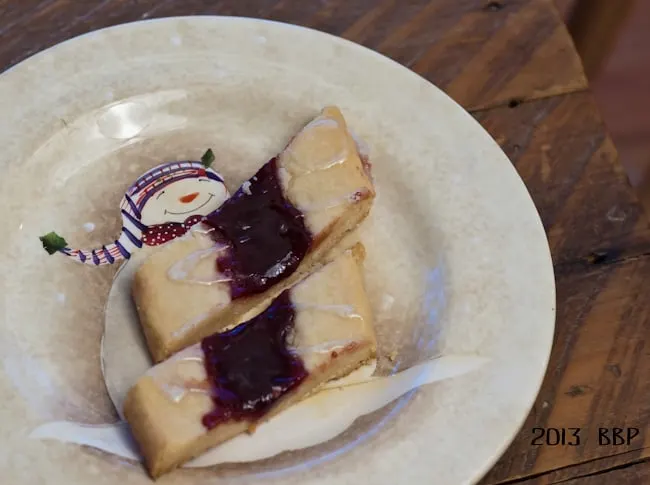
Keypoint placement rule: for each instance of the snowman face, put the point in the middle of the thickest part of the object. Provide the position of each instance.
(182, 199)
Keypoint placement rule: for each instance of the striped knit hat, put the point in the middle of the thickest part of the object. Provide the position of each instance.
(135, 198)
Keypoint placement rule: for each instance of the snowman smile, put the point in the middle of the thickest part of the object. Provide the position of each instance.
(191, 210)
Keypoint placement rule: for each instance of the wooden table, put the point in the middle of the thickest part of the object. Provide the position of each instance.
(512, 64)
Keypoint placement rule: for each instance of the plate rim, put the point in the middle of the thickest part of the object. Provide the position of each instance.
(362, 50)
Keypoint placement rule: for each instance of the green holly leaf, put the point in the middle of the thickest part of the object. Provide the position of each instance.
(207, 158)
(52, 242)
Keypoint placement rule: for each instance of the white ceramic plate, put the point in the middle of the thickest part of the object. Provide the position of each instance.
(458, 265)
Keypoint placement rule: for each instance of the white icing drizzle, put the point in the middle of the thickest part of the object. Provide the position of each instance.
(193, 353)
(193, 323)
(174, 385)
(323, 347)
(330, 204)
(180, 270)
(322, 122)
(346, 311)
(320, 165)
(246, 188)
(177, 387)
(201, 229)
(174, 392)
(324, 164)
(327, 164)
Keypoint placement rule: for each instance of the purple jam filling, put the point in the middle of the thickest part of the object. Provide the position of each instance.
(267, 235)
(250, 366)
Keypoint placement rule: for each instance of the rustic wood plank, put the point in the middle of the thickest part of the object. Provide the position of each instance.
(482, 61)
(561, 150)
(608, 471)
(634, 473)
(594, 26)
(598, 376)
(483, 53)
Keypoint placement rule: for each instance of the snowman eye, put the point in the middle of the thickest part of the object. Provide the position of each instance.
(158, 196)
(204, 180)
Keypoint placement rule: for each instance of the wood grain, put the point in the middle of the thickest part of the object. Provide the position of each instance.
(560, 148)
(619, 469)
(598, 376)
(594, 26)
(614, 470)
(599, 238)
(483, 53)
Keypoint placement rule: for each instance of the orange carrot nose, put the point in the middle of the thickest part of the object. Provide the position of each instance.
(186, 199)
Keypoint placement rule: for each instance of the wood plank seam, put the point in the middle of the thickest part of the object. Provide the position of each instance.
(447, 24)
(604, 471)
(535, 476)
(516, 102)
(608, 369)
(559, 147)
(596, 260)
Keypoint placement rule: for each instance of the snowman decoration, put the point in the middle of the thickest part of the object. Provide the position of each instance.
(161, 205)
